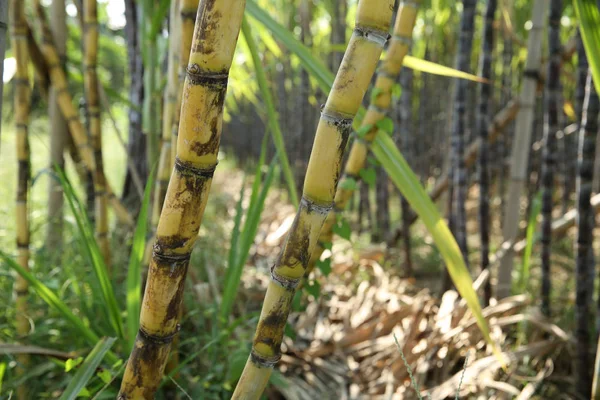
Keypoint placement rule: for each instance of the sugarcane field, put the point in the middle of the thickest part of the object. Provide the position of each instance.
(300, 200)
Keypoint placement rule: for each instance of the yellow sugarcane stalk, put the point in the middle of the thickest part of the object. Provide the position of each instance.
(165, 162)
(215, 37)
(187, 15)
(387, 76)
(350, 85)
(90, 76)
(58, 79)
(18, 34)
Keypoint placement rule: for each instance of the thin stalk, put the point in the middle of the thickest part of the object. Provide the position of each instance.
(90, 78)
(3, 28)
(65, 101)
(406, 135)
(485, 97)
(187, 15)
(58, 135)
(585, 226)
(213, 45)
(551, 126)
(521, 145)
(386, 78)
(343, 102)
(459, 125)
(18, 34)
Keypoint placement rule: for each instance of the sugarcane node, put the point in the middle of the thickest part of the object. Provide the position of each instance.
(198, 76)
(407, 40)
(22, 292)
(314, 207)
(162, 251)
(289, 284)
(156, 339)
(21, 81)
(188, 169)
(337, 119)
(375, 35)
(20, 125)
(412, 4)
(265, 362)
(532, 74)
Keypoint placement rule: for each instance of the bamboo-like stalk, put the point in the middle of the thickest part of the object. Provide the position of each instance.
(215, 37)
(459, 179)
(520, 145)
(350, 85)
(3, 28)
(386, 78)
(18, 35)
(551, 124)
(585, 226)
(90, 77)
(170, 109)
(58, 135)
(405, 143)
(187, 15)
(58, 80)
(596, 379)
(485, 97)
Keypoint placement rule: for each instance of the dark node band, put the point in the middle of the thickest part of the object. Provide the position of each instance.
(289, 284)
(186, 168)
(197, 76)
(374, 35)
(265, 362)
(158, 339)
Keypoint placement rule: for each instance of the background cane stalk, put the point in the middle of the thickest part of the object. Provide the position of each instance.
(18, 33)
(343, 102)
(213, 45)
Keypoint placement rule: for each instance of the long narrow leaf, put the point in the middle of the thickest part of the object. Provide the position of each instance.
(589, 24)
(86, 370)
(50, 298)
(94, 255)
(313, 66)
(406, 181)
(437, 69)
(134, 280)
(245, 242)
(273, 118)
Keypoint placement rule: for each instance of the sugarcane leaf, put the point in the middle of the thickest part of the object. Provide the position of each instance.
(407, 182)
(342, 229)
(2, 372)
(368, 175)
(92, 251)
(134, 269)
(429, 67)
(245, 241)
(235, 232)
(348, 183)
(273, 118)
(50, 298)
(363, 130)
(324, 266)
(589, 25)
(386, 124)
(87, 369)
(313, 66)
(158, 16)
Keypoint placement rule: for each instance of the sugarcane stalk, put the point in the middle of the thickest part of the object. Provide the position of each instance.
(520, 145)
(585, 226)
(90, 78)
(58, 134)
(485, 96)
(551, 123)
(58, 80)
(459, 178)
(380, 104)
(18, 35)
(215, 37)
(3, 28)
(187, 15)
(343, 102)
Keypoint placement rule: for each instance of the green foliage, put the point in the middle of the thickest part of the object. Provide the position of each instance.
(589, 19)
(273, 119)
(407, 182)
(94, 256)
(87, 369)
(134, 270)
(536, 208)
